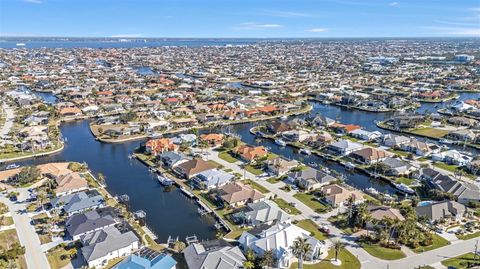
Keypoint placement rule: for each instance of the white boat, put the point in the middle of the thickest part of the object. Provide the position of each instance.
(350, 165)
(12, 166)
(165, 181)
(305, 151)
(371, 191)
(280, 142)
(446, 141)
(284, 117)
(404, 188)
(20, 44)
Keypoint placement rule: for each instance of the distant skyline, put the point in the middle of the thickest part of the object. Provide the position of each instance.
(240, 19)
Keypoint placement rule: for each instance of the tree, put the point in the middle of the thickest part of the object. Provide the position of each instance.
(248, 265)
(250, 255)
(268, 259)
(101, 178)
(337, 246)
(300, 248)
(28, 174)
(179, 246)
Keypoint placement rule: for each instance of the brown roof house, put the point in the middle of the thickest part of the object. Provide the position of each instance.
(280, 166)
(369, 155)
(238, 194)
(70, 183)
(380, 212)
(337, 195)
(191, 168)
(249, 153)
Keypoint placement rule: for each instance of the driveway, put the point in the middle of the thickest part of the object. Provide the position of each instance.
(10, 115)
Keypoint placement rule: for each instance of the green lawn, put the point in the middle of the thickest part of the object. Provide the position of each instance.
(256, 186)
(468, 236)
(309, 200)
(349, 261)
(287, 207)
(58, 257)
(226, 156)
(8, 237)
(274, 180)
(430, 132)
(460, 261)
(382, 252)
(405, 180)
(438, 242)
(313, 228)
(399, 152)
(444, 166)
(253, 170)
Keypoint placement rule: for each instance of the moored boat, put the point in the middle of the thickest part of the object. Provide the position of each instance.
(305, 151)
(12, 166)
(280, 142)
(165, 181)
(404, 188)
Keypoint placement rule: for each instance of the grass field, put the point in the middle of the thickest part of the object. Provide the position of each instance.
(226, 156)
(438, 242)
(349, 261)
(430, 132)
(253, 170)
(256, 186)
(313, 228)
(459, 261)
(58, 256)
(382, 252)
(468, 236)
(286, 207)
(309, 200)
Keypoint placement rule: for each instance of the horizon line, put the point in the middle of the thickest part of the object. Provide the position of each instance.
(258, 38)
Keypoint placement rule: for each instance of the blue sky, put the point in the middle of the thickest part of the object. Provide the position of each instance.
(240, 18)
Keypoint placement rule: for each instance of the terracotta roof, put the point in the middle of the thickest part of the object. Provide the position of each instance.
(250, 153)
(238, 192)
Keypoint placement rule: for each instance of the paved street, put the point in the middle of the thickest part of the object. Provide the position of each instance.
(9, 115)
(26, 233)
(412, 260)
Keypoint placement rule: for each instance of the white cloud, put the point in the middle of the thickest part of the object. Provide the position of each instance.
(393, 4)
(127, 35)
(317, 30)
(33, 1)
(254, 25)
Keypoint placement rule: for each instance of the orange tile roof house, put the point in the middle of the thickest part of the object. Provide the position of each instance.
(70, 111)
(250, 153)
(191, 168)
(369, 155)
(161, 145)
(212, 139)
(238, 194)
(70, 183)
(337, 195)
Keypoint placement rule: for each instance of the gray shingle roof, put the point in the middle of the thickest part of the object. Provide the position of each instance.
(100, 243)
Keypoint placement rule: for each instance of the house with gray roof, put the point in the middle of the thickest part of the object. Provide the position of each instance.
(309, 178)
(265, 212)
(89, 222)
(78, 202)
(216, 254)
(442, 210)
(212, 178)
(101, 246)
(146, 258)
(398, 167)
(171, 159)
(344, 147)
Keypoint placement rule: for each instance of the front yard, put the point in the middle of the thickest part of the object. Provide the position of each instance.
(286, 206)
(349, 261)
(61, 255)
(438, 242)
(382, 252)
(462, 261)
(311, 201)
(313, 228)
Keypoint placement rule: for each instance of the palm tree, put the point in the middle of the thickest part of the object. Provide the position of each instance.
(101, 178)
(248, 265)
(268, 259)
(338, 246)
(250, 255)
(300, 248)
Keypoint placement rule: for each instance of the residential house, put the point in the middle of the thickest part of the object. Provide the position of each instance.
(394, 141)
(70, 183)
(212, 139)
(161, 145)
(344, 147)
(378, 213)
(78, 202)
(309, 178)
(250, 153)
(279, 238)
(452, 157)
(321, 121)
(398, 167)
(89, 222)
(238, 194)
(464, 135)
(344, 128)
(442, 210)
(297, 135)
(280, 166)
(216, 254)
(212, 178)
(279, 127)
(109, 243)
(365, 135)
(147, 258)
(369, 155)
(420, 148)
(191, 168)
(337, 195)
(265, 212)
(171, 159)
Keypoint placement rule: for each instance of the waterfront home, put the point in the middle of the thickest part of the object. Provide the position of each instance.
(212, 178)
(171, 159)
(319, 140)
(365, 135)
(212, 139)
(191, 168)
(161, 145)
(337, 195)
(344, 128)
(437, 211)
(462, 121)
(70, 112)
(394, 141)
(473, 166)
(378, 213)
(452, 157)
(280, 166)
(215, 254)
(185, 139)
(279, 127)
(464, 191)
(265, 212)
(398, 167)
(78, 202)
(70, 183)
(309, 178)
(344, 147)
(464, 135)
(147, 258)
(250, 153)
(298, 135)
(279, 238)
(369, 155)
(109, 243)
(88, 222)
(238, 194)
(321, 121)
(420, 148)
